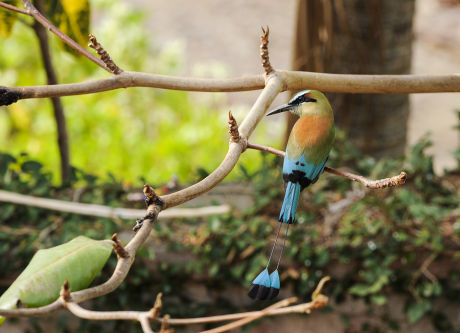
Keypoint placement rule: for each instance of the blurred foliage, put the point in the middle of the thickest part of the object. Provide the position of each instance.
(384, 244)
(7, 19)
(131, 132)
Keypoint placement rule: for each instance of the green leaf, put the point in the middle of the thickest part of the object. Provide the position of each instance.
(379, 299)
(417, 310)
(364, 289)
(33, 167)
(359, 289)
(5, 159)
(78, 261)
(7, 18)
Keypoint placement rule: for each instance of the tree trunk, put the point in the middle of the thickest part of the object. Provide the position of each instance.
(58, 109)
(360, 37)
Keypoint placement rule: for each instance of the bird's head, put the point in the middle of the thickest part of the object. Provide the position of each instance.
(307, 102)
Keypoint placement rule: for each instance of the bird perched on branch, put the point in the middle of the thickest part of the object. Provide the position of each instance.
(307, 151)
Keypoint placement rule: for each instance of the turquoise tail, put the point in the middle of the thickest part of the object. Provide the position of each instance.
(274, 284)
(260, 287)
(291, 199)
(267, 286)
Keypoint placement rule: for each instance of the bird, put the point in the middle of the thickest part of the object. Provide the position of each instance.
(307, 152)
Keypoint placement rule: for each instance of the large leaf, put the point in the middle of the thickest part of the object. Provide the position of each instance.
(7, 18)
(72, 17)
(78, 261)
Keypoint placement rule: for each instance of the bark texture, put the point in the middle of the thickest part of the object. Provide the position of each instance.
(360, 37)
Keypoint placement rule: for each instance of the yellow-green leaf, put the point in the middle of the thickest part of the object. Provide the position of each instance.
(72, 17)
(78, 261)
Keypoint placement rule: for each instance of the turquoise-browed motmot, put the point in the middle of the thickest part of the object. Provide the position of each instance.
(307, 151)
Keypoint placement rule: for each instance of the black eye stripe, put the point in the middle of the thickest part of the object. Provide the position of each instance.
(302, 99)
(298, 100)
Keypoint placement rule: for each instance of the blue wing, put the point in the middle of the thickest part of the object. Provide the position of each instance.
(297, 174)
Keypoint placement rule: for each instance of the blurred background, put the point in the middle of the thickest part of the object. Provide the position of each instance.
(393, 255)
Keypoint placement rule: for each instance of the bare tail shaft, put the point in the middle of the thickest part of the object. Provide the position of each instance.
(291, 199)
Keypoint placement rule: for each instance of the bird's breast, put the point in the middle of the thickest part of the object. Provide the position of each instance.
(312, 130)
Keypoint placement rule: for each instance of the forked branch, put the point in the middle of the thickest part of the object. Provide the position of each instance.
(237, 319)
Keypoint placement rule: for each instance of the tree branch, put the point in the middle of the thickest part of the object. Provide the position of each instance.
(106, 211)
(291, 80)
(236, 148)
(373, 184)
(272, 84)
(133, 79)
(144, 317)
(347, 83)
(371, 84)
(230, 326)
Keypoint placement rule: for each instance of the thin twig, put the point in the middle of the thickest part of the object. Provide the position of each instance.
(132, 315)
(280, 308)
(107, 211)
(265, 149)
(227, 327)
(318, 300)
(13, 8)
(373, 184)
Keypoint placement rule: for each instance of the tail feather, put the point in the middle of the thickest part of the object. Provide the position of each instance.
(274, 285)
(260, 287)
(291, 200)
(267, 286)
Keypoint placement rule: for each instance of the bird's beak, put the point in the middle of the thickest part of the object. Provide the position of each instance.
(282, 108)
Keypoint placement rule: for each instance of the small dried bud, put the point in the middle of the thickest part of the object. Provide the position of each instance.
(65, 291)
(118, 247)
(264, 51)
(233, 128)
